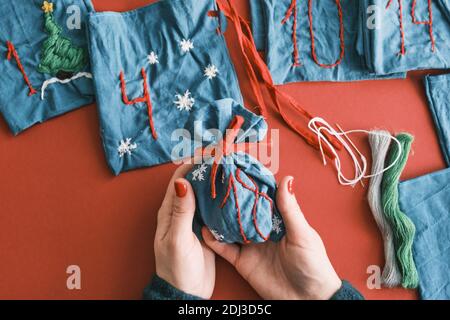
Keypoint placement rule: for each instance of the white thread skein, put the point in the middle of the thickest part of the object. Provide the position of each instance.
(319, 127)
(379, 143)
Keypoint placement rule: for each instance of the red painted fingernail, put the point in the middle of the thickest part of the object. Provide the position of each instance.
(290, 186)
(180, 189)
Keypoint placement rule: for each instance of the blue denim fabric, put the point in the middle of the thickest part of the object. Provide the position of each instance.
(426, 200)
(223, 221)
(383, 43)
(438, 93)
(122, 42)
(276, 38)
(22, 23)
(258, 24)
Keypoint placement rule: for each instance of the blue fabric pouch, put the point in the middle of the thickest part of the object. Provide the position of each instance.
(44, 60)
(415, 43)
(153, 67)
(426, 200)
(235, 193)
(438, 93)
(334, 52)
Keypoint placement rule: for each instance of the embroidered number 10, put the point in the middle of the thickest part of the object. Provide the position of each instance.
(293, 12)
(428, 22)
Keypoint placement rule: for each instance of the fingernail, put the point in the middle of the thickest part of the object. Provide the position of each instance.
(290, 186)
(180, 189)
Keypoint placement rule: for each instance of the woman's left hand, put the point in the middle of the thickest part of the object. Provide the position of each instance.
(181, 259)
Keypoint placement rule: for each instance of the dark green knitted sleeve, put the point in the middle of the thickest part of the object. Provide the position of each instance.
(159, 289)
(347, 292)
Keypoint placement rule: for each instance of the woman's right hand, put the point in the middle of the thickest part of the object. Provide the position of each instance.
(296, 268)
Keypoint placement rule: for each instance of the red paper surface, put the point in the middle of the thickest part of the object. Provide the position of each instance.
(60, 205)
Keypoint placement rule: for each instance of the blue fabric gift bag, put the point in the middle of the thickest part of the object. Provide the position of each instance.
(44, 60)
(153, 67)
(311, 40)
(426, 200)
(235, 193)
(438, 93)
(409, 35)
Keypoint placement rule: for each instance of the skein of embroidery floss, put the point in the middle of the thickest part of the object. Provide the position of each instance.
(323, 130)
(379, 143)
(402, 226)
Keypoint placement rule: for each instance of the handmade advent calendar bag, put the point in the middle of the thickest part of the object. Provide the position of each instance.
(44, 60)
(408, 35)
(154, 66)
(311, 40)
(426, 200)
(235, 193)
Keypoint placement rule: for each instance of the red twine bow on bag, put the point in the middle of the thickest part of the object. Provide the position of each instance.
(224, 148)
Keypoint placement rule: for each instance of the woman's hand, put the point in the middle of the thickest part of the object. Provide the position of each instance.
(181, 259)
(297, 268)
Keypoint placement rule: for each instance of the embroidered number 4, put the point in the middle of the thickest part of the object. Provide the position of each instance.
(145, 98)
(428, 22)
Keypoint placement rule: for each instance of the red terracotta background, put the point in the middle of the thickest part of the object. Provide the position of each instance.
(60, 205)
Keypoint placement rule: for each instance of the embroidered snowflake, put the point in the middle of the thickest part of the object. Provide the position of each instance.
(126, 147)
(186, 45)
(211, 71)
(153, 58)
(217, 235)
(277, 224)
(199, 173)
(185, 101)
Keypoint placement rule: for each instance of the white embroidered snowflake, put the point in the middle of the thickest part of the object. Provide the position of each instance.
(186, 45)
(185, 101)
(277, 226)
(153, 58)
(217, 235)
(126, 147)
(211, 71)
(199, 173)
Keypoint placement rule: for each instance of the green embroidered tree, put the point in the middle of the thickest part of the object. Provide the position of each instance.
(59, 57)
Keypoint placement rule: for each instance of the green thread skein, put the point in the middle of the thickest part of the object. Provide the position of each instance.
(58, 54)
(403, 227)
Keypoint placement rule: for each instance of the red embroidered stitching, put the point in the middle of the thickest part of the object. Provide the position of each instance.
(292, 11)
(145, 98)
(255, 190)
(232, 186)
(12, 52)
(402, 30)
(429, 23)
(341, 36)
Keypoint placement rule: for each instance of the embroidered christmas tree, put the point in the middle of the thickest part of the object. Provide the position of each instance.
(59, 56)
